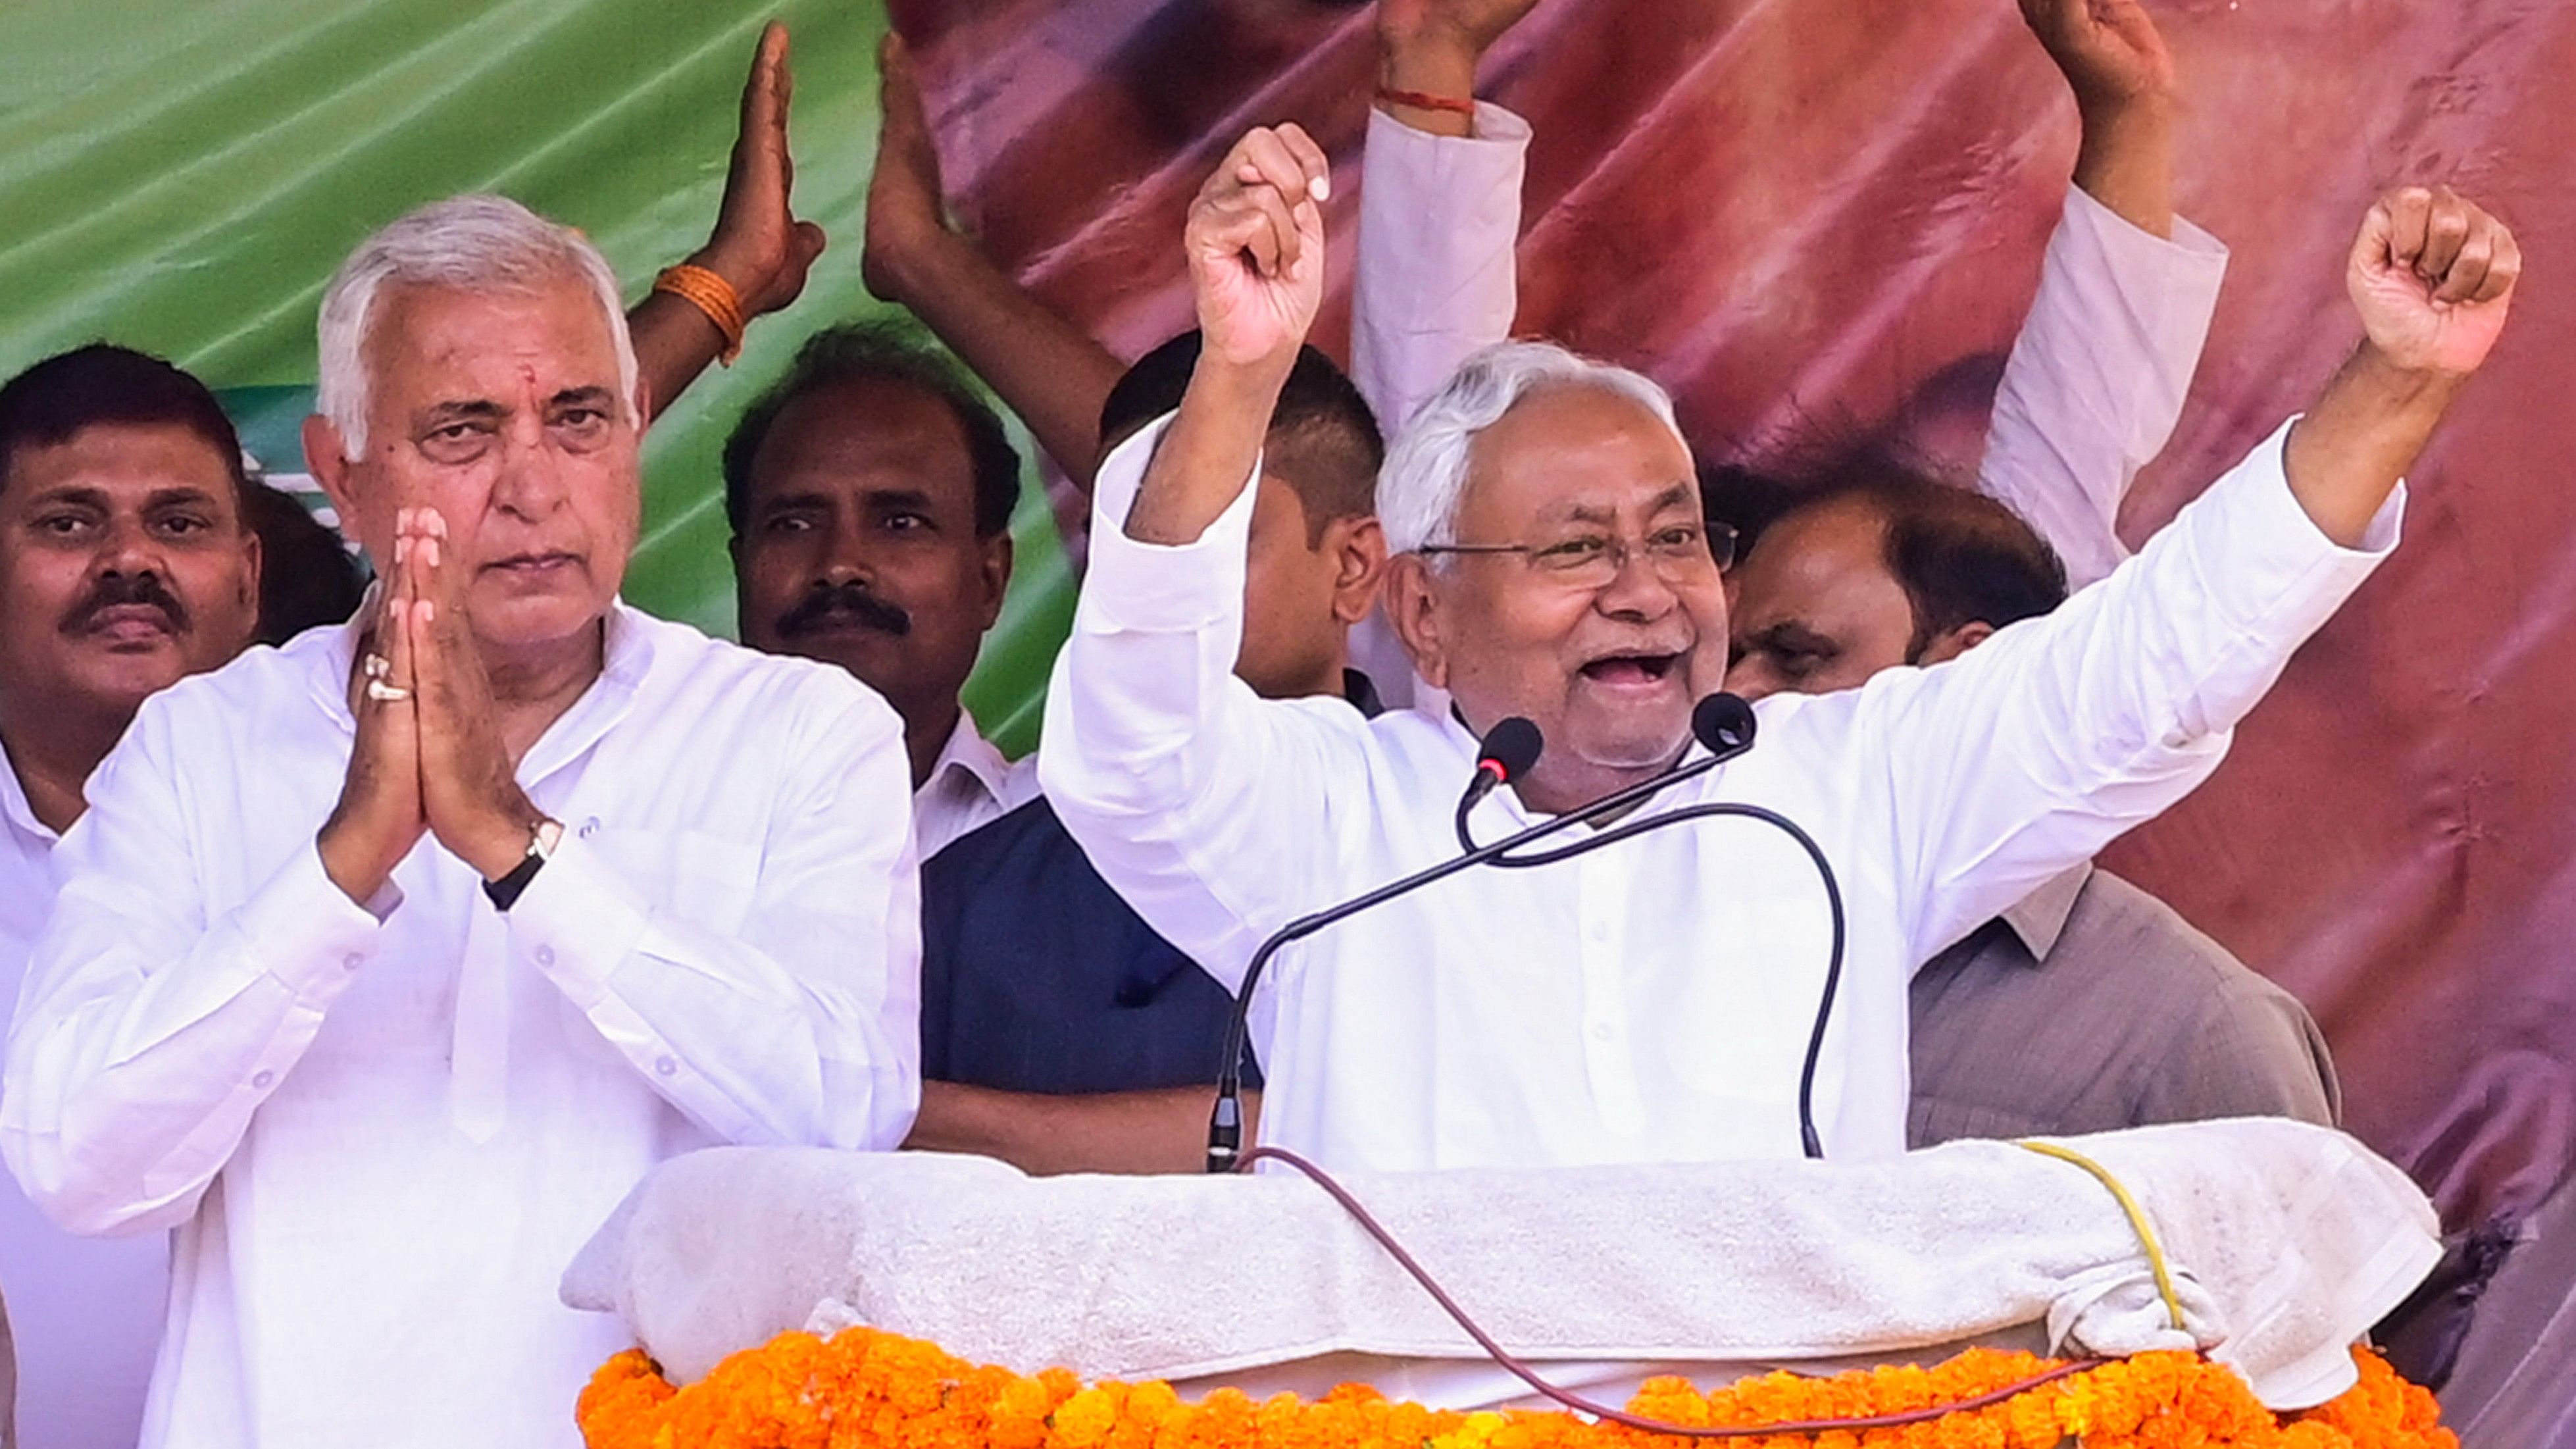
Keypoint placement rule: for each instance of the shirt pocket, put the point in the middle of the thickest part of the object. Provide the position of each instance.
(706, 880)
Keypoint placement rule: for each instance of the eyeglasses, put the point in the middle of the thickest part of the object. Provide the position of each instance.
(1595, 560)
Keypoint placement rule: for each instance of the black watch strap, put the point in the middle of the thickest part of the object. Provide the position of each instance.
(506, 891)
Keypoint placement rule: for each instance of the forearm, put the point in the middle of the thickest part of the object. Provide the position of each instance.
(1428, 65)
(1207, 456)
(2368, 426)
(2125, 160)
(2098, 376)
(1045, 369)
(1123, 1132)
(674, 342)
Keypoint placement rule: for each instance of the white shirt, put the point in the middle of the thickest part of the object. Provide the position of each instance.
(85, 1312)
(2089, 396)
(1651, 1001)
(382, 1133)
(969, 785)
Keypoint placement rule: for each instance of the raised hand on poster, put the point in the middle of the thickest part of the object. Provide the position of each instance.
(1255, 244)
(759, 245)
(2109, 50)
(907, 209)
(2432, 274)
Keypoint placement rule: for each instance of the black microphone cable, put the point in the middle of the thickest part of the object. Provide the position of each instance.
(1724, 725)
(1510, 749)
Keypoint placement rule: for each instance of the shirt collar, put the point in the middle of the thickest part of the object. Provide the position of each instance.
(969, 754)
(2040, 917)
(1361, 691)
(19, 815)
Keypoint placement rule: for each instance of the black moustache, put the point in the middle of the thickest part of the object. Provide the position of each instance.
(120, 589)
(849, 599)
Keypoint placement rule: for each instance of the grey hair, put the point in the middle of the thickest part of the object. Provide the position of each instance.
(1425, 476)
(474, 243)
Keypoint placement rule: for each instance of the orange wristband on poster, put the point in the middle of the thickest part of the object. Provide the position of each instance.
(1425, 101)
(712, 295)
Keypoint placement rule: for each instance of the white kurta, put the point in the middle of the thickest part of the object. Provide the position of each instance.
(85, 1312)
(970, 785)
(381, 1133)
(1651, 1001)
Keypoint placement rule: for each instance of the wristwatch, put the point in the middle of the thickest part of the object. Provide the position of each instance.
(542, 841)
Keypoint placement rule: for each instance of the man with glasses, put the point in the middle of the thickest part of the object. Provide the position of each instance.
(1652, 1001)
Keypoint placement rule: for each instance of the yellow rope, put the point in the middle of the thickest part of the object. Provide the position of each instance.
(2137, 1220)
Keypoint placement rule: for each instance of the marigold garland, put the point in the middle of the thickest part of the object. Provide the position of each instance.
(869, 1390)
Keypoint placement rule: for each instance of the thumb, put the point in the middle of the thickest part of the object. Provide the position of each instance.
(2370, 249)
(806, 243)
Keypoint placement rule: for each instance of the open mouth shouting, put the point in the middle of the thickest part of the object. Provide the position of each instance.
(1640, 672)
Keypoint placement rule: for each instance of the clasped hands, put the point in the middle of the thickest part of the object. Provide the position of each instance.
(429, 758)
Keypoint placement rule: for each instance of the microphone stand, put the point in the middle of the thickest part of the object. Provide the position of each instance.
(1225, 1123)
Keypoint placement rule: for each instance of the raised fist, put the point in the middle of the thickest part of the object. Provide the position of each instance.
(2109, 50)
(1255, 244)
(2432, 275)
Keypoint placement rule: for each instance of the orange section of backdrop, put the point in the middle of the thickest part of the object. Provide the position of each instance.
(1791, 209)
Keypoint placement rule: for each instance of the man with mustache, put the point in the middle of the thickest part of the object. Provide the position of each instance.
(870, 492)
(126, 564)
(385, 963)
(1652, 1003)
(2090, 1005)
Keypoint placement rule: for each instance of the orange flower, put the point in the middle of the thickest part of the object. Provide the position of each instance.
(868, 1390)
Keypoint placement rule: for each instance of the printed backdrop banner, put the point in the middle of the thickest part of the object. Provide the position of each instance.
(1785, 209)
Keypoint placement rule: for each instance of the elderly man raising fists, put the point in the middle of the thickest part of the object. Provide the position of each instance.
(1652, 1001)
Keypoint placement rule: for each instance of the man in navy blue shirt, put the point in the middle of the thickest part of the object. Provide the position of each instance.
(1058, 1031)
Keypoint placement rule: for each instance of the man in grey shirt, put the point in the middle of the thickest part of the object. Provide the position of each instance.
(2091, 1005)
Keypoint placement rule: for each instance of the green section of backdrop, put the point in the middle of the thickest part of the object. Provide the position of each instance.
(184, 178)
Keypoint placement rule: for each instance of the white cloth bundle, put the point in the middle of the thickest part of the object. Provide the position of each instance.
(2286, 1242)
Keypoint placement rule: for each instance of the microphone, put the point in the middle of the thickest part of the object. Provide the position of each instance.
(1507, 753)
(1722, 723)
(1509, 750)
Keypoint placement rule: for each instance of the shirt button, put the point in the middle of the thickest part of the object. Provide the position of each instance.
(589, 828)
(352, 961)
(1604, 1031)
(261, 1081)
(545, 955)
(667, 1067)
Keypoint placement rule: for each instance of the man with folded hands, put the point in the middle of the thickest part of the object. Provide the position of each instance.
(386, 962)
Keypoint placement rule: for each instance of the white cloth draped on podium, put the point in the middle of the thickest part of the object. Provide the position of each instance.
(2286, 1243)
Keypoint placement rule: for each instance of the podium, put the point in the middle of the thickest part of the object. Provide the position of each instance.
(919, 1300)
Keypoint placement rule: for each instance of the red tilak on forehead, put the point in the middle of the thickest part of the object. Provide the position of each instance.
(528, 375)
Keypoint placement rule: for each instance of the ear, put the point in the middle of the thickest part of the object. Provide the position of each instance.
(327, 457)
(256, 560)
(1412, 607)
(1357, 548)
(994, 568)
(643, 402)
(1950, 645)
